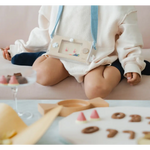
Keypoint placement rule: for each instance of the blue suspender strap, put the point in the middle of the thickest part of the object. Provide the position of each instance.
(94, 24)
(57, 20)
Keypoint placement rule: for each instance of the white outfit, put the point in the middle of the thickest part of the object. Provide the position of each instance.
(118, 36)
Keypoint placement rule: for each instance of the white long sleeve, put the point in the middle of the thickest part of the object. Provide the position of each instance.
(39, 38)
(129, 45)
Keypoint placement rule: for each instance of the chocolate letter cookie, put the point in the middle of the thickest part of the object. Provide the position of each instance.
(118, 115)
(132, 134)
(148, 118)
(135, 118)
(90, 129)
(147, 135)
(112, 133)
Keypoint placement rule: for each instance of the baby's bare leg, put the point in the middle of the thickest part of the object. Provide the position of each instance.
(101, 81)
(50, 71)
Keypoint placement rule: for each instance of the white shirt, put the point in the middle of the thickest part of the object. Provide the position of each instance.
(118, 36)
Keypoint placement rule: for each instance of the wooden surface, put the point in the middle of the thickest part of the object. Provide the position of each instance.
(73, 105)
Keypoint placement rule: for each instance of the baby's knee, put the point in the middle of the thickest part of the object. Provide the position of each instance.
(97, 90)
(38, 61)
(43, 77)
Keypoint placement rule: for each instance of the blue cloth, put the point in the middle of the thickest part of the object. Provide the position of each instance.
(117, 64)
(57, 19)
(26, 59)
(94, 24)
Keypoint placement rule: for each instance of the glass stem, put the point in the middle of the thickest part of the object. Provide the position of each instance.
(14, 91)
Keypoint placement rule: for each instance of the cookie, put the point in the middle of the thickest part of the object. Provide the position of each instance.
(148, 118)
(147, 135)
(135, 118)
(90, 129)
(132, 133)
(19, 77)
(17, 74)
(22, 80)
(118, 115)
(112, 133)
(81, 118)
(94, 116)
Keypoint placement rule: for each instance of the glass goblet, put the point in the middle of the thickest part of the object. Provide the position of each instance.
(25, 75)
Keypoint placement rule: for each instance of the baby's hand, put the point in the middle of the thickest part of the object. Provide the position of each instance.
(133, 78)
(6, 54)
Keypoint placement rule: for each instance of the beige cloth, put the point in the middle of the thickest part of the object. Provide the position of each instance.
(118, 36)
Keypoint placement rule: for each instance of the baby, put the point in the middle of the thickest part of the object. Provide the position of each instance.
(117, 54)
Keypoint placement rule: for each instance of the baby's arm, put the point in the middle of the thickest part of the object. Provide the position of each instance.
(38, 39)
(129, 48)
(6, 54)
(133, 78)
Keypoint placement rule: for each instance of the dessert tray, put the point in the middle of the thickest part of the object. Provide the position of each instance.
(14, 78)
(133, 127)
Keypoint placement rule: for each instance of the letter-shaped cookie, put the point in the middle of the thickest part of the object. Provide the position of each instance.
(112, 133)
(148, 118)
(135, 118)
(90, 129)
(147, 135)
(118, 115)
(132, 133)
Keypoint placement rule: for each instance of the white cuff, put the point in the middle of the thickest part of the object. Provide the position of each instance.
(131, 67)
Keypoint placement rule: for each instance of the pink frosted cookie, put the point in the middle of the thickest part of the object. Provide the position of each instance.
(13, 81)
(94, 116)
(3, 80)
(81, 118)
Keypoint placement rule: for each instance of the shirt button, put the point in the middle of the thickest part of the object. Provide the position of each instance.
(71, 40)
(55, 45)
(85, 50)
